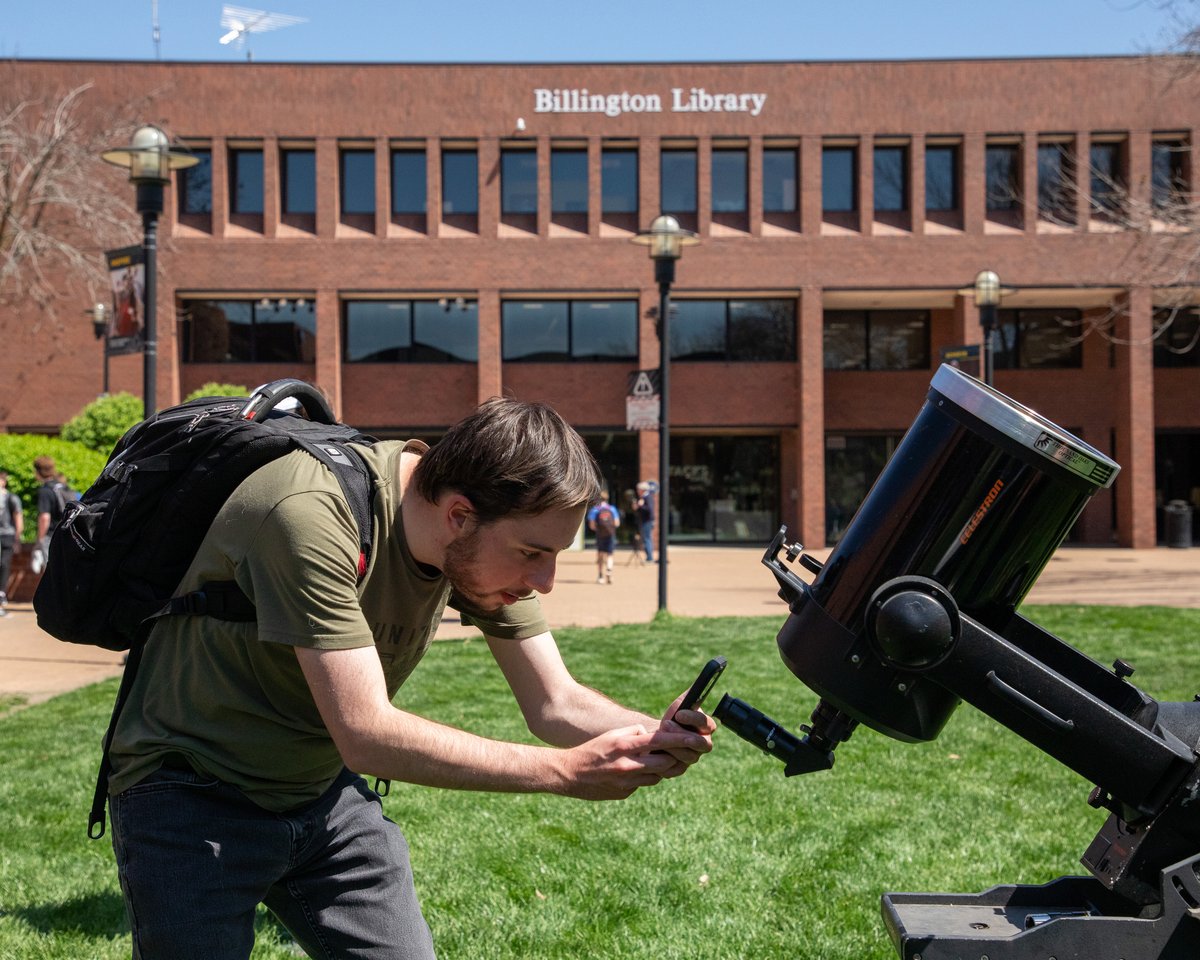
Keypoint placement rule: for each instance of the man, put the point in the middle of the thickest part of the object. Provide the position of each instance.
(231, 779)
(644, 509)
(51, 503)
(603, 520)
(12, 524)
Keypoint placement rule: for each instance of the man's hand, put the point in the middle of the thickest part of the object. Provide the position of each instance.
(614, 764)
(690, 721)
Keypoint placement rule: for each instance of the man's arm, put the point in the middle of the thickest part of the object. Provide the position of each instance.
(560, 710)
(18, 516)
(43, 525)
(376, 738)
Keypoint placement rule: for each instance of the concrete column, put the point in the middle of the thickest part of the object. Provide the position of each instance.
(271, 186)
(1133, 396)
(866, 185)
(916, 184)
(327, 187)
(973, 188)
(704, 186)
(220, 186)
(754, 186)
(543, 186)
(810, 185)
(488, 159)
(1083, 180)
(595, 186)
(1029, 184)
(809, 481)
(383, 186)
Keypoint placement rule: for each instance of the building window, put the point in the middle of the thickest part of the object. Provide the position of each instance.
(358, 181)
(941, 178)
(1177, 337)
(249, 331)
(460, 182)
(1106, 177)
(518, 182)
(678, 181)
(724, 488)
(1037, 340)
(411, 331)
(619, 181)
(853, 462)
(1056, 182)
(1003, 174)
(746, 331)
(876, 340)
(408, 182)
(560, 331)
(195, 184)
(729, 181)
(1168, 173)
(839, 179)
(245, 181)
(299, 188)
(568, 181)
(891, 178)
(780, 181)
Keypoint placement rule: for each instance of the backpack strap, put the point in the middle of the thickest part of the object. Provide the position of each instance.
(96, 819)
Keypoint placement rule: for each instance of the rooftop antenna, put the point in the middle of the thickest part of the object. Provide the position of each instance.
(240, 21)
(154, 25)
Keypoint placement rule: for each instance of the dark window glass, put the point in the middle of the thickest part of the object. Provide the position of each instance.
(299, 181)
(604, 329)
(248, 331)
(1037, 340)
(1003, 177)
(1056, 194)
(536, 330)
(1106, 179)
(941, 178)
(562, 330)
(891, 178)
(729, 181)
(195, 184)
(1168, 176)
(518, 181)
(406, 331)
(445, 331)
(246, 181)
(876, 340)
(568, 181)
(839, 179)
(619, 181)
(743, 331)
(1177, 333)
(678, 181)
(408, 181)
(358, 181)
(780, 183)
(724, 488)
(852, 465)
(460, 182)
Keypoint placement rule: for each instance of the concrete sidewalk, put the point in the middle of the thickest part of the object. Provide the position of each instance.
(704, 582)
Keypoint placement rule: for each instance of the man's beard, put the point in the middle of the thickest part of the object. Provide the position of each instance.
(459, 568)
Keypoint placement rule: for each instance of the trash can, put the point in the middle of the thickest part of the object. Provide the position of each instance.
(1178, 523)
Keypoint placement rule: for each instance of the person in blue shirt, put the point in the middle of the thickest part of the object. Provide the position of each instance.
(603, 520)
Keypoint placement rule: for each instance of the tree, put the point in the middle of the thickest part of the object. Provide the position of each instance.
(57, 208)
(103, 422)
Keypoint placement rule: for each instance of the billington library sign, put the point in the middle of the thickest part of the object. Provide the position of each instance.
(692, 100)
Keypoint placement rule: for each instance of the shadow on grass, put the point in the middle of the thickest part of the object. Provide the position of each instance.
(95, 914)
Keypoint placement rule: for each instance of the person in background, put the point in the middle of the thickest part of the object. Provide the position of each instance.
(644, 508)
(51, 504)
(12, 525)
(603, 520)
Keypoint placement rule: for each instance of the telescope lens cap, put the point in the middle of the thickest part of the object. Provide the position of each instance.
(912, 623)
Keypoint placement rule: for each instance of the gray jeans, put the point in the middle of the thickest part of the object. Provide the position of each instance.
(195, 858)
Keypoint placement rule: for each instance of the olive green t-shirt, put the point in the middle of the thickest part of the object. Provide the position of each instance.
(230, 698)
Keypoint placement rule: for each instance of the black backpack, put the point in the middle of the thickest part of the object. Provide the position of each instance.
(118, 556)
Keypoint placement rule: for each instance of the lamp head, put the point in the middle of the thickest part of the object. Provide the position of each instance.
(149, 157)
(987, 288)
(666, 238)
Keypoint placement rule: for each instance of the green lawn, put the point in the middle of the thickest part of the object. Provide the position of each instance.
(732, 860)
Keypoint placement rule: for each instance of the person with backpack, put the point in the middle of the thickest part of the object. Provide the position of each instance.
(51, 504)
(12, 525)
(237, 760)
(603, 520)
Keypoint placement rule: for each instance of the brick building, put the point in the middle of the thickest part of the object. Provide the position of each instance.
(416, 238)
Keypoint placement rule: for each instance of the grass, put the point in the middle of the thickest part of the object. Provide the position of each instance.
(732, 860)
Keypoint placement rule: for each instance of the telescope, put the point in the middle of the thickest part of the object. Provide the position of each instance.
(914, 611)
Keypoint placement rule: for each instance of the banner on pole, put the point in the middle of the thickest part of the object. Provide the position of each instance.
(642, 401)
(127, 280)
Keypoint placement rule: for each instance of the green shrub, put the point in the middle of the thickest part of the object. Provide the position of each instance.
(103, 422)
(17, 452)
(212, 389)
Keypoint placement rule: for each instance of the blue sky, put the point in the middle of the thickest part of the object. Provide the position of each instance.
(602, 30)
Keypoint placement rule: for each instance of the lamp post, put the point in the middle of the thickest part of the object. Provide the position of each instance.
(666, 240)
(99, 315)
(988, 293)
(150, 162)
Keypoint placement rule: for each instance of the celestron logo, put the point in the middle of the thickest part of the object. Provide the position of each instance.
(977, 517)
(692, 100)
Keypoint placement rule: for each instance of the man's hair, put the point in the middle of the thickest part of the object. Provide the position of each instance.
(44, 466)
(511, 457)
